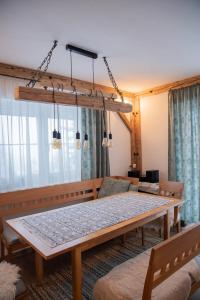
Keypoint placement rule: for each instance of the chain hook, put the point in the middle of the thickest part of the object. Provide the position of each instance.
(112, 79)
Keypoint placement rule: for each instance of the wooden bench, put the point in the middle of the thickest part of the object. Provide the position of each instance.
(139, 277)
(29, 201)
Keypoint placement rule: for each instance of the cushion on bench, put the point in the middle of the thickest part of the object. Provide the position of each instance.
(111, 186)
(126, 281)
(133, 188)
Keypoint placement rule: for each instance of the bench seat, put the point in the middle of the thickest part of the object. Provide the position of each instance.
(126, 281)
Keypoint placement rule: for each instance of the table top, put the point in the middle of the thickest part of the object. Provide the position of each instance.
(60, 230)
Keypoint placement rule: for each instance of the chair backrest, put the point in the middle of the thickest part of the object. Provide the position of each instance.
(169, 256)
(171, 189)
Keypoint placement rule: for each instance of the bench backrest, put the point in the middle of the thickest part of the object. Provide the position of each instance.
(169, 256)
(30, 200)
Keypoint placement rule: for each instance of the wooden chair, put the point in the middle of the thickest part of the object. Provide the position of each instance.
(155, 266)
(169, 256)
(170, 189)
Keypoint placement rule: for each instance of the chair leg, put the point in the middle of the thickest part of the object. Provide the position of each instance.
(9, 255)
(2, 251)
(123, 238)
(142, 231)
(178, 227)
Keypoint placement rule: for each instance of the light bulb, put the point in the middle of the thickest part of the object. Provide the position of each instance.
(86, 142)
(54, 140)
(110, 143)
(59, 141)
(78, 141)
(105, 140)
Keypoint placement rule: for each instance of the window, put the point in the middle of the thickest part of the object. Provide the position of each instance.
(26, 155)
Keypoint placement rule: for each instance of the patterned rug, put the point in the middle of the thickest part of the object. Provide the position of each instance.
(96, 263)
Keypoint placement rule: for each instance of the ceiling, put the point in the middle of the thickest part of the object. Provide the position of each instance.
(147, 42)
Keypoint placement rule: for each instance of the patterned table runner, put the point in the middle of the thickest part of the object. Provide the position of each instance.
(59, 226)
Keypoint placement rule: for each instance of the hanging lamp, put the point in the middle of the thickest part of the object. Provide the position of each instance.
(59, 141)
(105, 136)
(86, 141)
(56, 135)
(86, 98)
(78, 136)
(55, 132)
(110, 142)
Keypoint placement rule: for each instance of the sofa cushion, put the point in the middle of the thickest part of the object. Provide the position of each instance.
(133, 188)
(111, 186)
(126, 282)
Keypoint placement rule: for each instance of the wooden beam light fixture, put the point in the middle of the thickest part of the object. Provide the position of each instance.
(66, 96)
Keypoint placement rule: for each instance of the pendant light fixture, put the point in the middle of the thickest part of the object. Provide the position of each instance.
(54, 138)
(78, 136)
(105, 137)
(59, 140)
(86, 141)
(54, 134)
(110, 142)
(42, 93)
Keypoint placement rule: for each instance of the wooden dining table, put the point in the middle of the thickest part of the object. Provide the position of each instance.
(94, 222)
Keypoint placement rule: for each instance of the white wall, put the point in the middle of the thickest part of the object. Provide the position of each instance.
(154, 133)
(120, 153)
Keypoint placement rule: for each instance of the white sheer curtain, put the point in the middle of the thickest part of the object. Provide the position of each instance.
(26, 156)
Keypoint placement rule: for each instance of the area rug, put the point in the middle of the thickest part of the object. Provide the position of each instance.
(96, 263)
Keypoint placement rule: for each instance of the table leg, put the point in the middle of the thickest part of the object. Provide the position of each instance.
(77, 274)
(166, 225)
(39, 268)
(123, 238)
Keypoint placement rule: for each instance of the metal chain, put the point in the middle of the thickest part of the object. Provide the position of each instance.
(46, 60)
(112, 79)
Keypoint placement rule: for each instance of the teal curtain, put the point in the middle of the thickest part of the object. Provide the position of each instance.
(184, 147)
(95, 161)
